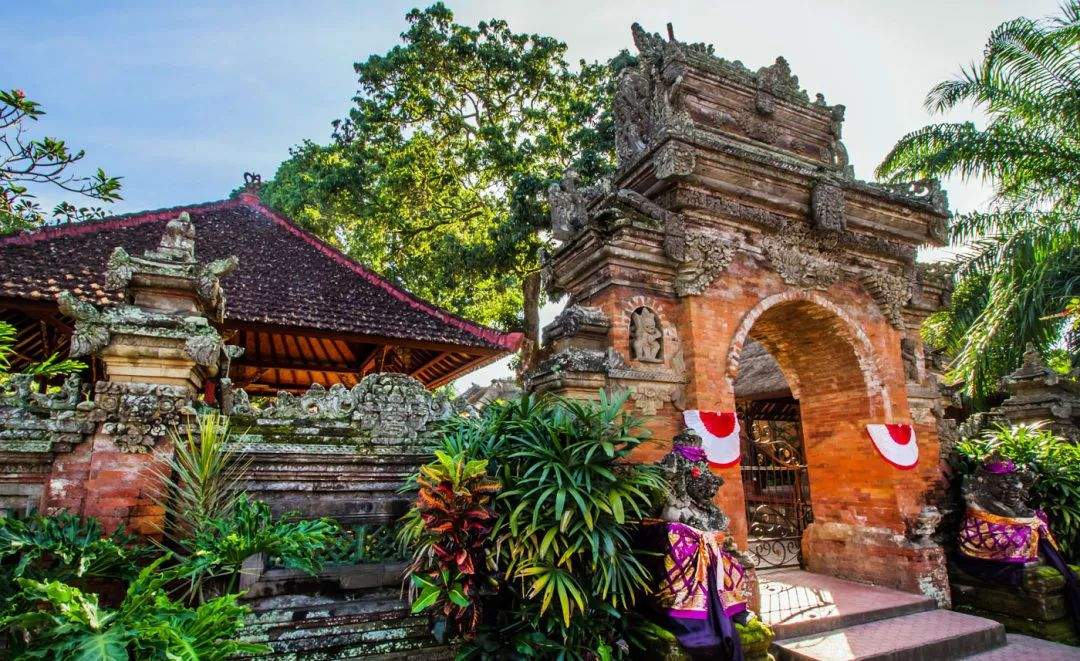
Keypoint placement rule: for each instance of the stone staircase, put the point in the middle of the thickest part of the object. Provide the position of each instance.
(347, 611)
(370, 624)
(825, 618)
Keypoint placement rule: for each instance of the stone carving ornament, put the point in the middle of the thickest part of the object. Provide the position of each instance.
(390, 407)
(646, 336)
(137, 415)
(890, 292)
(568, 214)
(803, 258)
(827, 206)
(700, 256)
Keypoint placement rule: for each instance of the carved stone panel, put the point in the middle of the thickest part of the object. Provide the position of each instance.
(890, 292)
(827, 206)
(801, 258)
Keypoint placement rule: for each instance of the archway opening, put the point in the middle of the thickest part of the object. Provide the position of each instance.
(776, 488)
(805, 385)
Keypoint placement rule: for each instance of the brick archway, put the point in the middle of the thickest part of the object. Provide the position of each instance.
(827, 319)
(735, 214)
(830, 365)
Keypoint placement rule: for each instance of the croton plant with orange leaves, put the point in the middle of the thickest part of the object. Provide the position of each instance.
(448, 530)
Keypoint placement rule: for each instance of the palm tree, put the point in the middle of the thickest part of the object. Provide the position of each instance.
(1018, 273)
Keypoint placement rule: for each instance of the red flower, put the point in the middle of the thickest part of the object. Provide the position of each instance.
(19, 94)
(695, 472)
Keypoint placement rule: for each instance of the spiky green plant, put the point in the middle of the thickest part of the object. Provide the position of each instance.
(200, 482)
(1020, 266)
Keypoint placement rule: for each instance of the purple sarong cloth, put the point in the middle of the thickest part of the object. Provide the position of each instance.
(696, 578)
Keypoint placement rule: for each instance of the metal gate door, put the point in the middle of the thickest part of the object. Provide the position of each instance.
(775, 484)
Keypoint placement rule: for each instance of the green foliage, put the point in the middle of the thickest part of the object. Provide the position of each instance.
(64, 548)
(48, 368)
(45, 161)
(62, 622)
(220, 546)
(367, 543)
(562, 553)
(1056, 463)
(437, 177)
(1021, 266)
(448, 531)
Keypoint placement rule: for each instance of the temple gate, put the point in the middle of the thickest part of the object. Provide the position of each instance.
(734, 216)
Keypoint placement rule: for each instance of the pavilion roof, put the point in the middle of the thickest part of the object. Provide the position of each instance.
(288, 281)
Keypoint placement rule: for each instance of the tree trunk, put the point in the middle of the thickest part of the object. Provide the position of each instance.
(530, 288)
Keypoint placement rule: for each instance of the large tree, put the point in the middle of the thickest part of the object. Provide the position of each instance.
(1019, 263)
(27, 163)
(437, 177)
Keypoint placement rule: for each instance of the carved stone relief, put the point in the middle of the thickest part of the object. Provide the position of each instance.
(674, 160)
(646, 336)
(137, 415)
(827, 206)
(802, 258)
(700, 257)
(568, 215)
(649, 398)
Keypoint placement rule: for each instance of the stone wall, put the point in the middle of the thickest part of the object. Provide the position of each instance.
(338, 452)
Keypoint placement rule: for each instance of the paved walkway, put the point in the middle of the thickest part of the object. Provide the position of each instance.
(825, 618)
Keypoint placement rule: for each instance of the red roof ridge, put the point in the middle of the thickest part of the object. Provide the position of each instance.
(112, 222)
(508, 341)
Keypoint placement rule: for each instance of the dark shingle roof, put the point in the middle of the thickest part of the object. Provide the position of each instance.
(287, 277)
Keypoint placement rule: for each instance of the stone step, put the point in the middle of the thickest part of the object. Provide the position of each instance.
(926, 636)
(1026, 648)
(796, 603)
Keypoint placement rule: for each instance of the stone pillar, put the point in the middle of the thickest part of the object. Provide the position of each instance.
(158, 347)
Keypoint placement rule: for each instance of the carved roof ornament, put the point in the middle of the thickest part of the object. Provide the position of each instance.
(647, 101)
(926, 190)
(252, 182)
(802, 257)
(890, 292)
(177, 242)
(776, 80)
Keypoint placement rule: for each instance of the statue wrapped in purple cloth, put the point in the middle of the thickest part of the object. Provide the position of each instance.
(1001, 533)
(705, 583)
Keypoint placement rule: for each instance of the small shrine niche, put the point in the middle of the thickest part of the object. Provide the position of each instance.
(646, 336)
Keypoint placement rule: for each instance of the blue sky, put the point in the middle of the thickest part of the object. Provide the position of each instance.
(180, 98)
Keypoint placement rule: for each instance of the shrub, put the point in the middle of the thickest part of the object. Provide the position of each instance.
(220, 545)
(561, 549)
(64, 548)
(62, 622)
(448, 531)
(1055, 462)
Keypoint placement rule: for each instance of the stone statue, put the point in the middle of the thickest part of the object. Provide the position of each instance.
(691, 486)
(1000, 487)
(567, 204)
(177, 243)
(646, 336)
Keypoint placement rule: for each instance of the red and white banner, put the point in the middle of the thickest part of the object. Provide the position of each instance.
(896, 444)
(719, 434)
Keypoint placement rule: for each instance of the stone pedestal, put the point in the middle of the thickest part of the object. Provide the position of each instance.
(1036, 608)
